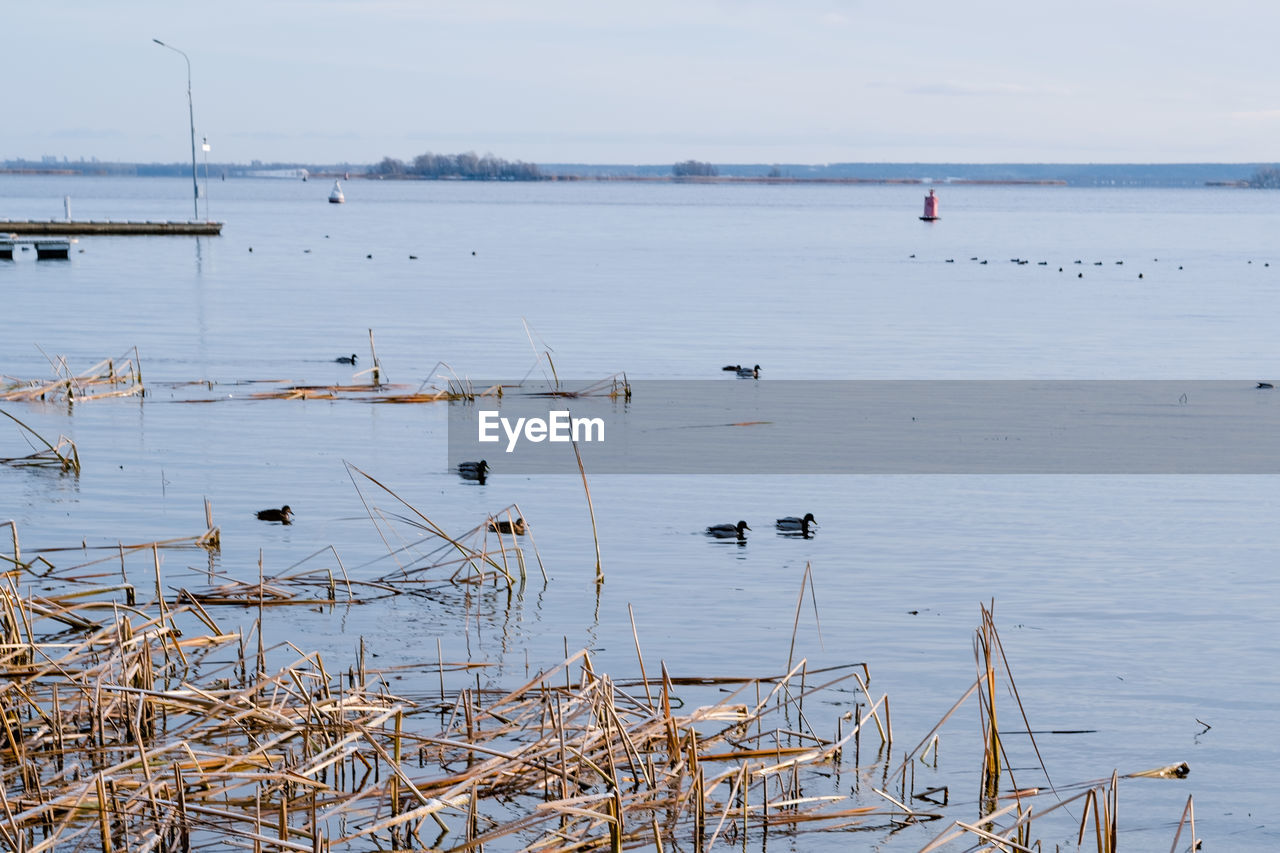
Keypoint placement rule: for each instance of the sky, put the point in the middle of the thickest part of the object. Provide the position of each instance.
(618, 81)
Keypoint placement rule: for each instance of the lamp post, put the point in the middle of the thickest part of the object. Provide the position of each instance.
(195, 189)
(204, 144)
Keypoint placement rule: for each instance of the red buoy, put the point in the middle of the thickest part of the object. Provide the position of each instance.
(930, 208)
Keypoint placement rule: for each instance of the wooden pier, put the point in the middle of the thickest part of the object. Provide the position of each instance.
(47, 248)
(106, 226)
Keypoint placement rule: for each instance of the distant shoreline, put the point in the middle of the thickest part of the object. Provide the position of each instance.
(1112, 175)
(747, 179)
(646, 179)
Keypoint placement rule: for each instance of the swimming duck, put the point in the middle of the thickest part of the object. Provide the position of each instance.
(749, 372)
(504, 525)
(729, 531)
(477, 471)
(801, 525)
(284, 515)
(342, 359)
(734, 368)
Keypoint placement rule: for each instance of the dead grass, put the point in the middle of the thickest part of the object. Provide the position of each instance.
(119, 377)
(128, 725)
(62, 455)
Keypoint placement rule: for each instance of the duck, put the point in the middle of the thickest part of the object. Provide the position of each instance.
(797, 525)
(749, 372)
(342, 359)
(733, 368)
(729, 531)
(477, 471)
(507, 526)
(284, 515)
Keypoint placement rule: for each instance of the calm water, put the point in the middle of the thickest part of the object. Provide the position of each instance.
(1130, 605)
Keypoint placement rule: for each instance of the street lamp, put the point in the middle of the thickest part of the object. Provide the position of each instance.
(195, 189)
(204, 145)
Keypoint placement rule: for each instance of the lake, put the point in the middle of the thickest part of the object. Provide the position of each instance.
(1139, 608)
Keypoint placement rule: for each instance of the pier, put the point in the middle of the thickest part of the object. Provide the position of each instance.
(106, 226)
(47, 248)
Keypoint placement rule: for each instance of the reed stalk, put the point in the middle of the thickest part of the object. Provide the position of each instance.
(121, 733)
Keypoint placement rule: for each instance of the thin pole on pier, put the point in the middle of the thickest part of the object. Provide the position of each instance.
(191, 112)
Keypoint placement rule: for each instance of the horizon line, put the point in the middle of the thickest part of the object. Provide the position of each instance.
(255, 163)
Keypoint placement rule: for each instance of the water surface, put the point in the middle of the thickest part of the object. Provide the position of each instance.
(1134, 606)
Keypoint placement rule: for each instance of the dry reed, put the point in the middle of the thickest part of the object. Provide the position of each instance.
(63, 455)
(127, 726)
(121, 377)
(132, 733)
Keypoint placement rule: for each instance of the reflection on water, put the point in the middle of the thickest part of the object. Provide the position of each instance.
(1113, 594)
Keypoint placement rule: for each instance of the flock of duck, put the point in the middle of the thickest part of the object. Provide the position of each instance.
(478, 472)
(1024, 261)
(284, 515)
(792, 525)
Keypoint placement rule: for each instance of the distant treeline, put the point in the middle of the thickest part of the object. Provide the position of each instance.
(1267, 177)
(694, 169)
(467, 166)
(473, 167)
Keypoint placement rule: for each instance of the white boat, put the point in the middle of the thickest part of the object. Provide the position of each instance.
(335, 194)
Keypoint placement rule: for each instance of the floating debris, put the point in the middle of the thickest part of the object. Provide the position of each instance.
(62, 455)
(120, 377)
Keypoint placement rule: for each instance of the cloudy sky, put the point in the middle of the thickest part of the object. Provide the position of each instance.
(595, 81)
